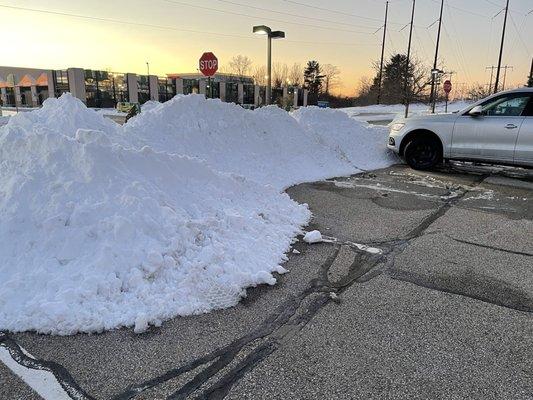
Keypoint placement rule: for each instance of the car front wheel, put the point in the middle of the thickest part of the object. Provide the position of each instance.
(422, 153)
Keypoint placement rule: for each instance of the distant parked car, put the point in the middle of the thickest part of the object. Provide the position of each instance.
(126, 107)
(495, 130)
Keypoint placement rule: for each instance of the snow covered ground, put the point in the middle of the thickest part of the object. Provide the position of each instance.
(175, 213)
(391, 111)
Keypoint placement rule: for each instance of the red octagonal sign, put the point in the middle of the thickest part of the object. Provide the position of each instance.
(447, 86)
(208, 64)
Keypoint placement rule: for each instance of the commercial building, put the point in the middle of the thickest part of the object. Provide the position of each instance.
(29, 87)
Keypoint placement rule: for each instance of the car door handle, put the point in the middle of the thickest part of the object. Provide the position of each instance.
(511, 126)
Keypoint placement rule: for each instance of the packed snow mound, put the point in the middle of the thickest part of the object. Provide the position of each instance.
(360, 144)
(175, 213)
(66, 115)
(96, 236)
(149, 105)
(267, 145)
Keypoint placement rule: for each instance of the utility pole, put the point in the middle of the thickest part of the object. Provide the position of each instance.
(406, 84)
(501, 48)
(505, 74)
(382, 53)
(148, 67)
(492, 68)
(433, 96)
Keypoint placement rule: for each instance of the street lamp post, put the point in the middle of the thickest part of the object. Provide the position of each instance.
(265, 30)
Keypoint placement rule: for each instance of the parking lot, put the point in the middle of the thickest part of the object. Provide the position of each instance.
(423, 288)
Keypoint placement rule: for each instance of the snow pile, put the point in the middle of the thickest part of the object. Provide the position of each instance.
(358, 143)
(65, 116)
(175, 213)
(267, 145)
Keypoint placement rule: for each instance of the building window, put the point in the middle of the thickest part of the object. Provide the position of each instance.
(212, 90)
(61, 85)
(249, 92)
(143, 88)
(232, 94)
(191, 86)
(104, 89)
(277, 95)
(10, 96)
(42, 94)
(119, 88)
(166, 89)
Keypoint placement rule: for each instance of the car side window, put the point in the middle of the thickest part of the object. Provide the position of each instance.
(506, 106)
(528, 112)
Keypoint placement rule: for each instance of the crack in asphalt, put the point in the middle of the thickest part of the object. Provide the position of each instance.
(486, 246)
(474, 286)
(61, 374)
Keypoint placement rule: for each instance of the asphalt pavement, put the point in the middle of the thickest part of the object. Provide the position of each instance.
(422, 290)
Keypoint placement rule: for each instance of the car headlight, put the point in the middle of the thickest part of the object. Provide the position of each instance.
(397, 126)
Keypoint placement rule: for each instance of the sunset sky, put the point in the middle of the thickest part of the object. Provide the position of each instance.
(172, 34)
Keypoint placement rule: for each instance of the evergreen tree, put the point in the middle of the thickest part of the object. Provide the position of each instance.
(530, 81)
(313, 80)
(393, 81)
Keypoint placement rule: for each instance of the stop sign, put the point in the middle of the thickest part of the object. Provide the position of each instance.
(447, 86)
(208, 64)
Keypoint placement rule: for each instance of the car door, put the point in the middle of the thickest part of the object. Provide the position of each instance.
(524, 144)
(492, 135)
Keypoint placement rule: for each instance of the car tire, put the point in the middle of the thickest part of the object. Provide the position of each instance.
(422, 153)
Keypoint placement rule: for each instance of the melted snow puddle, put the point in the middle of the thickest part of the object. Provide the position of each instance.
(43, 382)
(379, 187)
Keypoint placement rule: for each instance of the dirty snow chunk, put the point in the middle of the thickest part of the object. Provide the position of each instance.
(313, 237)
(280, 270)
(295, 251)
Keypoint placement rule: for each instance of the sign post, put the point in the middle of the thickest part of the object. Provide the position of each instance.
(208, 65)
(447, 86)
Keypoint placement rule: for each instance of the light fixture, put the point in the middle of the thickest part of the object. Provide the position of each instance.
(265, 30)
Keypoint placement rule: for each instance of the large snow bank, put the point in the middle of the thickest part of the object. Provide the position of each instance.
(267, 145)
(175, 213)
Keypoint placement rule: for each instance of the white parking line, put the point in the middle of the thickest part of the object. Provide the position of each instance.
(43, 382)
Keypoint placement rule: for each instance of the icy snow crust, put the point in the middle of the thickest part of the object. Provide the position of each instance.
(176, 213)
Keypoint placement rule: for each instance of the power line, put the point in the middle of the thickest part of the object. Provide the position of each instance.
(255, 17)
(295, 15)
(463, 10)
(519, 34)
(338, 12)
(146, 25)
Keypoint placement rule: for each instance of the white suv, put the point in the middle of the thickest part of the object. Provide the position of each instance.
(497, 130)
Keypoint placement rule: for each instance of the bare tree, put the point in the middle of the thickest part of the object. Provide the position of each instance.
(296, 73)
(331, 77)
(240, 66)
(259, 75)
(280, 73)
(478, 91)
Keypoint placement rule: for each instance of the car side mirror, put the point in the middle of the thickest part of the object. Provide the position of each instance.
(476, 111)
